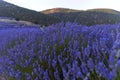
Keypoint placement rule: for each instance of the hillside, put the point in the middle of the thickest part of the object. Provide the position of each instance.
(56, 10)
(111, 11)
(19, 13)
(89, 17)
(55, 15)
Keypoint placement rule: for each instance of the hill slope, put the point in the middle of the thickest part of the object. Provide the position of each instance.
(105, 10)
(56, 10)
(19, 13)
(89, 17)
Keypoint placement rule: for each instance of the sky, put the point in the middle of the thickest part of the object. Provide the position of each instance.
(39, 5)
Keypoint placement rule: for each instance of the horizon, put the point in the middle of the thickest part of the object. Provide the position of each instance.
(41, 5)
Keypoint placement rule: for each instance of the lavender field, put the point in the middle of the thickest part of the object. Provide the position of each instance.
(60, 52)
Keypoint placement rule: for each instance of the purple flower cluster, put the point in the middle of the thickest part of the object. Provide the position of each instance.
(61, 52)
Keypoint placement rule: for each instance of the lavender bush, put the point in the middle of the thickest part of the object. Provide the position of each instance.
(60, 52)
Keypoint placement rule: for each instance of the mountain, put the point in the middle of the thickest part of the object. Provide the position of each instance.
(88, 17)
(105, 10)
(19, 13)
(56, 10)
(55, 15)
